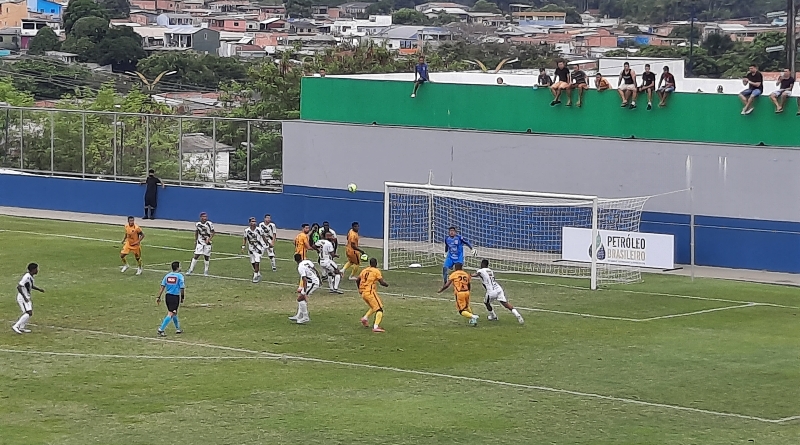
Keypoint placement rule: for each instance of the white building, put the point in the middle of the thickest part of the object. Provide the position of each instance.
(200, 153)
(361, 28)
(408, 37)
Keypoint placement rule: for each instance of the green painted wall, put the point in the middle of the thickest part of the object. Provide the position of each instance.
(712, 118)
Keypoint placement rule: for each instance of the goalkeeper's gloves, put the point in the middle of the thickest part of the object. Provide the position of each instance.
(474, 252)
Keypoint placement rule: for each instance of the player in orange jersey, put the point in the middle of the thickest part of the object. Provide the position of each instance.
(367, 283)
(132, 243)
(461, 287)
(353, 252)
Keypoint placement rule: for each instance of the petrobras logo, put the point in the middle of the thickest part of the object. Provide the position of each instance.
(172, 280)
(619, 248)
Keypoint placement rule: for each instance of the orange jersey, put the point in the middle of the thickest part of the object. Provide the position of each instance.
(369, 279)
(352, 240)
(132, 234)
(460, 281)
(300, 243)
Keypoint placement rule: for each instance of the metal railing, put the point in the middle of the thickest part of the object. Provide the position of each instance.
(185, 150)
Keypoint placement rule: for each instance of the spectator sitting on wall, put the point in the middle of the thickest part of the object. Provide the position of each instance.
(601, 83)
(561, 84)
(648, 85)
(627, 86)
(151, 194)
(544, 79)
(785, 85)
(668, 82)
(578, 83)
(420, 75)
(754, 82)
(500, 81)
(719, 89)
(322, 73)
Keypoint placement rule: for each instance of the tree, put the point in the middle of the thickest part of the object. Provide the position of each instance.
(199, 70)
(84, 47)
(485, 6)
(12, 96)
(78, 9)
(117, 9)
(718, 44)
(45, 40)
(120, 50)
(407, 16)
(299, 8)
(91, 27)
(382, 7)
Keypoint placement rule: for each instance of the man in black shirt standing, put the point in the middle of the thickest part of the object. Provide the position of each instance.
(561, 84)
(578, 83)
(754, 82)
(648, 85)
(785, 85)
(151, 194)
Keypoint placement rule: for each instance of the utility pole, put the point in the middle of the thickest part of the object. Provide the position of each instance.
(791, 37)
(691, 42)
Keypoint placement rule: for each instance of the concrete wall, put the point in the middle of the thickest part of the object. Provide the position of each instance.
(745, 197)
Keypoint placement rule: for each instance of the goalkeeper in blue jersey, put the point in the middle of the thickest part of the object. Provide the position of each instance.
(454, 250)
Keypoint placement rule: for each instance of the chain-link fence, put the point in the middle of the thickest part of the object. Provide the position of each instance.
(186, 150)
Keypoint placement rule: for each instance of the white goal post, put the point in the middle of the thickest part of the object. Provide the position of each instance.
(516, 231)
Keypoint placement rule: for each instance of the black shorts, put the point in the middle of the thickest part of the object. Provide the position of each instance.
(173, 301)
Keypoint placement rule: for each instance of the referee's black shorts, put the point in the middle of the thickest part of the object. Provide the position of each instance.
(173, 301)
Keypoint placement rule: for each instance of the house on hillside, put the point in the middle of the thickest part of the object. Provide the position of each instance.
(174, 19)
(407, 38)
(12, 12)
(204, 158)
(48, 7)
(10, 39)
(201, 40)
(440, 5)
(356, 10)
(30, 26)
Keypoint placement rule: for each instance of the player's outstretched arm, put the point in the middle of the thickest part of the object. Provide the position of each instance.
(446, 285)
(38, 289)
(383, 283)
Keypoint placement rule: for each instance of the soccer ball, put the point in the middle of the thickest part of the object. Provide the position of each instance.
(364, 257)
(352, 187)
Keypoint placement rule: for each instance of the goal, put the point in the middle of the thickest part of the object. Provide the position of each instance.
(517, 231)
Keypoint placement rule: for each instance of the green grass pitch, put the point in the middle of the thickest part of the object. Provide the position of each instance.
(666, 361)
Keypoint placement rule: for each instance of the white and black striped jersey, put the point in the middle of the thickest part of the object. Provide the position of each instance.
(270, 230)
(325, 249)
(306, 269)
(204, 231)
(27, 283)
(254, 239)
(487, 279)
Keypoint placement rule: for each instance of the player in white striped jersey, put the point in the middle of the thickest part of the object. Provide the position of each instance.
(203, 233)
(24, 289)
(270, 231)
(494, 292)
(253, 241)
(309, 282)
(326, 255)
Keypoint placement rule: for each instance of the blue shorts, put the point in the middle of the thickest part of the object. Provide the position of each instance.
(667, 89)
(779, 93)
(449, 262)
(755, 92)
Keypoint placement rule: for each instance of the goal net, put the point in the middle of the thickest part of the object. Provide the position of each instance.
(517, 231)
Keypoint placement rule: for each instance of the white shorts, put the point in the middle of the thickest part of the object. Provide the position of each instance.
(311, 286)
(255, 257)
(202, 249)
(24, 306)
(329, 266)
(627, 87)
(496, 295)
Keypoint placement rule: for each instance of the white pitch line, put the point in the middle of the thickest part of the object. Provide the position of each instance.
(135, 357)
(704, 311)
(235, 256)
(447, 376)
(449, 300)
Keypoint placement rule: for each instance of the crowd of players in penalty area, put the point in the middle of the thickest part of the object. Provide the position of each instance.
(259, 239)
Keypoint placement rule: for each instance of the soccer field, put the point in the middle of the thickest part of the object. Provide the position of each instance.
(666, 361)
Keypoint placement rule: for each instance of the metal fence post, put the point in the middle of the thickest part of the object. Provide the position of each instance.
(52, 144)
(248, 155)
(214, 151)
(83, 144)
(147, 144)
(114, 142)
(180, 151)
(21, 135)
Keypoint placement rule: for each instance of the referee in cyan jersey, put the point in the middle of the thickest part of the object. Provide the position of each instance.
(174, 285)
